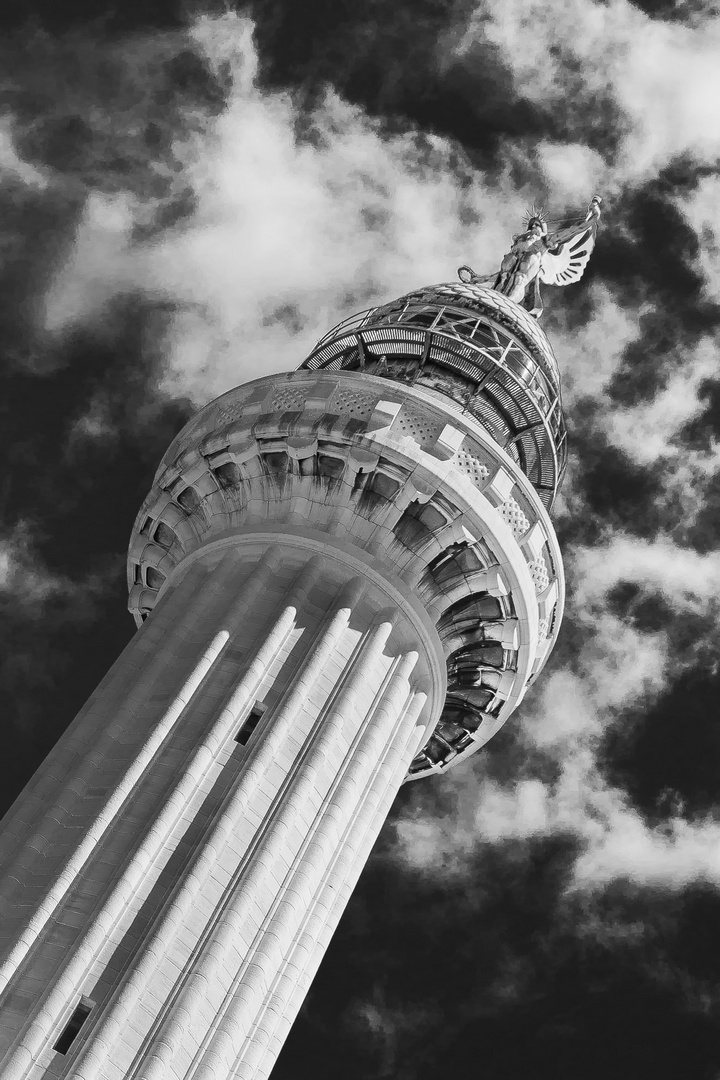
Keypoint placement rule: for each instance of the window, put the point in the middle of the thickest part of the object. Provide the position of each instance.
(164, 535)
(189, 499)
(276, 461)
(243, 735)
(228, 475)
(155, 578)
(383, 485)
(463, 616)
(76, 1021)
(329, 466)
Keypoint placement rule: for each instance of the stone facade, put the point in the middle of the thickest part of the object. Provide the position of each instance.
(387, 468)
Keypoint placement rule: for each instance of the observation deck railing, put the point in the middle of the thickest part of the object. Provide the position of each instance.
(478, 348)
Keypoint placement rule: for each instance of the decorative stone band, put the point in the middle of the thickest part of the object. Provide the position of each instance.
(426, 494)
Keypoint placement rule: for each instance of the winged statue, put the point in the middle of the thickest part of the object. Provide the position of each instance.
(540, 256)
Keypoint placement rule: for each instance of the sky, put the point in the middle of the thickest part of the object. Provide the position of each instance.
(189, 197)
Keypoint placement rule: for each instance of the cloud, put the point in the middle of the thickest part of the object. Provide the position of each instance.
(98, 269)
(614, 842)
(649, 430)
(571, 171)
(681, 575)
(701, 208)
(554, 780)
(12, 165)
(589, 355)
(20, 575)
(297, 220)
(28, 586)
(659, 79)
(672, 857)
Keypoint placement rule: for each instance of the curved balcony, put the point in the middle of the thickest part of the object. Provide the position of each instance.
(476, 347)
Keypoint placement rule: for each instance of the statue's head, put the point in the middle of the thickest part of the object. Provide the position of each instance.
(535, 222)
(537, 225)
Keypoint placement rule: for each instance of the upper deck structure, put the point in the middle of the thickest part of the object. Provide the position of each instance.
(480, 350)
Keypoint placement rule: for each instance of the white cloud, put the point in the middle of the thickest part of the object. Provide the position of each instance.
(615, 842)
(27, 583)
(99, 267)
(664, 77)
(684, 577)
(21, 575)
(701, 208)
(590, 355)
(12, 166)
(572, 171)
(645, 431)
(565, 720)
(287, 236)
(670, 857)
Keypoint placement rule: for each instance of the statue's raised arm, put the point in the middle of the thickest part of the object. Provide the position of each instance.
(557, 258)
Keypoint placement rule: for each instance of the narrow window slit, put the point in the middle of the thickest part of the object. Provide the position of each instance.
(256, 713)
(72, 1028)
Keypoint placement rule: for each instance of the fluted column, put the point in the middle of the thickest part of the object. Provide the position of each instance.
(193, 901)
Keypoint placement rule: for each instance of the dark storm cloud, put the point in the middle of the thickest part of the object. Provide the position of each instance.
(669, 751)
(690, 12)
(102, 15)
(386, 59)
(85, 113)
(102, 112)
(83, 422)
(74, 473)
(498, 973)
(47, 620)
(650, 254)
(619, 493)
(701, 432)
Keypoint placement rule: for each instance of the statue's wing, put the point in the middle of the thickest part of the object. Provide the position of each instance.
(567, 264)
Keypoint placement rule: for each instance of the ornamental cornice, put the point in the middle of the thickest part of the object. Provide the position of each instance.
(387, 468)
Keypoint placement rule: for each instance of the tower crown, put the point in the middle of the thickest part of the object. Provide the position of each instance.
(427, 436)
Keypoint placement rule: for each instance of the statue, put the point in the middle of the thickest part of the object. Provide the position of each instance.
(538, 256)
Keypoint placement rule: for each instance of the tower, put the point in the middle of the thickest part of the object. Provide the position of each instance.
(343, 578)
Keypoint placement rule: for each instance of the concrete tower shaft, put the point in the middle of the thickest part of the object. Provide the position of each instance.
(177, 867)
(343, 577)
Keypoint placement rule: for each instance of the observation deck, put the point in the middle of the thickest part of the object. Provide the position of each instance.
(477, 348)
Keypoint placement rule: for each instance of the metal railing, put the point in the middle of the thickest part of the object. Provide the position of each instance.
(478, 348)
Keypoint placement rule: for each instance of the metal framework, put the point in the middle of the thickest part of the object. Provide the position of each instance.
(476, 347)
